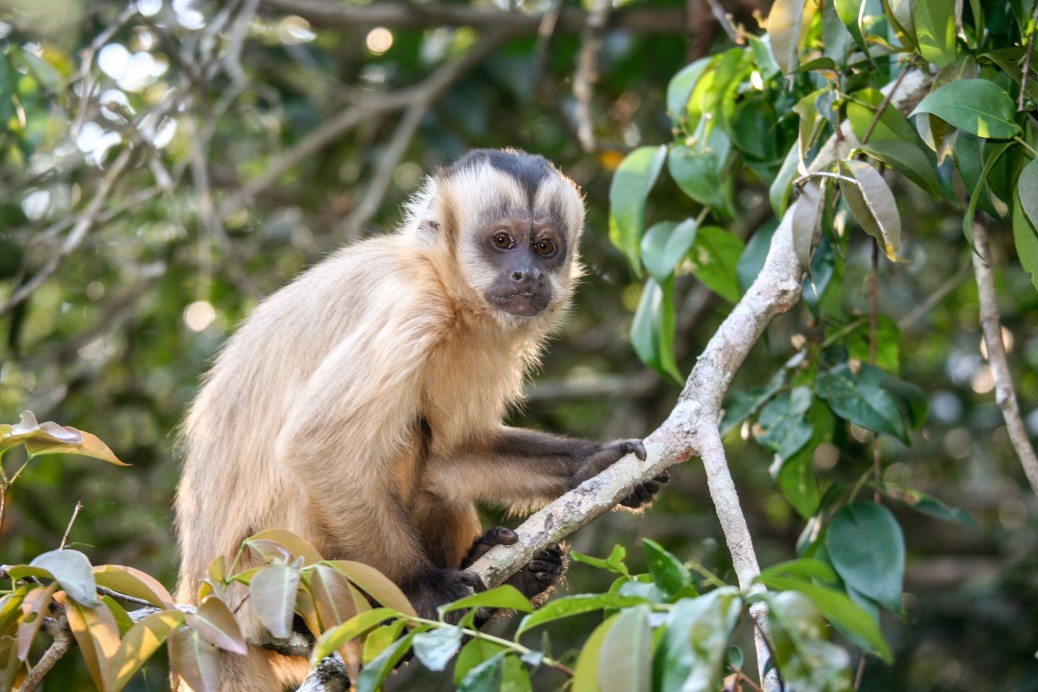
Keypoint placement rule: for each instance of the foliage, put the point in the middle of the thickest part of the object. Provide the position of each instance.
(155, 208)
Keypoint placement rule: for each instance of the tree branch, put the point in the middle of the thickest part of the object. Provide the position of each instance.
(1005, 394)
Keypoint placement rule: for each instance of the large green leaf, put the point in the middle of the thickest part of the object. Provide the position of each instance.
(625, 662)
(273, 592)
(628, 190)
(680, 88)
(867, 549)
(664, 245)
(861, 399)
(1027, 189)
(784, 422)
(437, 647)
(978, 106)
(934, 23)
(696, 639)
(909, 160)
(654, 327)
(715, 257)
(785, 25)
(698, 170)
(574, 605)
(668, 572)
(1025, 238)
(73, 572)
(873, 205)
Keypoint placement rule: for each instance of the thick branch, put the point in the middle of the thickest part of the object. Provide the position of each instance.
(1005, 394)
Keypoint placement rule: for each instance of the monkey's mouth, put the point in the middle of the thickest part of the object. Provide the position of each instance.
(520, 303)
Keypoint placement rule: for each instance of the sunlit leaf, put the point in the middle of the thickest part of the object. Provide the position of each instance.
(934, 24)
(282, 544)
(215, 622)
(96, 633)
(504, 596)
(586, 671)
(630, 186)
(873, 205)
(375, 584)
(336, 637)
(625, 662)
(614, 563)
(680, 89)
(133, 582)
(140, 643)
(785, 24)
(697, 636)
(273, 592)
(664, 245)
(574, 605)
(35, 607)
(437, 647)
(333, 596)
(977, 106)
(73, 572)
(195, 659)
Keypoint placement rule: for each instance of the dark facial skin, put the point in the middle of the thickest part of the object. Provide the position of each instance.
(525, 250)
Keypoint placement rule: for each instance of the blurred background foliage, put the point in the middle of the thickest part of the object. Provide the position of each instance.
(164, 165)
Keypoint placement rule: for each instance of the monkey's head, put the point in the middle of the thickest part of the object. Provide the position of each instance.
(512, 222)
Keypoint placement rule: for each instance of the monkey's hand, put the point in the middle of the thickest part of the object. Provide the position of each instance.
(537, 578)
(437, 586)
(607, 455)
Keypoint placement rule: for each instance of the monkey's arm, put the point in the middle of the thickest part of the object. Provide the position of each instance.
(518, 467)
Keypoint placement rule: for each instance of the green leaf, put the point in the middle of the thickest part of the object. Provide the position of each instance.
(668, 572)
(800, 647)
(625, 662)
(133, 582)
(714, 257)
(628, 191)
(926, 504)
(375, 584)
(861, 399)
(436, 647)
(907, 159)
(803, 567)
(1027, 190)
(585, 672)
(696, 639)
(849, 12)
(1025, 238)
(934, 23)
(807, 221)
(992, 155)
(140, 643)
(654, 326)
(977, 106)
(679, 90)
(778, 192)
(574, 605)
(664, 245)
(699, 170)
(614, 563)
(786, 429)
(873, 205)
(73, 572)
(273, 593)
(839, 609)
(215, 622)
(867, 549)
(337, 637)
(486, 677)
(785, 24)
(375, 672)
(472, 654)
(797, 481)
(504, 596)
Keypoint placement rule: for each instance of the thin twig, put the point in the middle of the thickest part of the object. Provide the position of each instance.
(83, 224)
(586, 75)
(1027, 59)
(1005, 394)
(68, 530)
(725, 20)
(59, 646)
(431, 88)
(920, 310)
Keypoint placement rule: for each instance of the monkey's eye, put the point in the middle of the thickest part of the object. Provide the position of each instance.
(502, 241)
(544, 247)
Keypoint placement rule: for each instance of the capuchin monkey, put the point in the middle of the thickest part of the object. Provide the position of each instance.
(361, 406)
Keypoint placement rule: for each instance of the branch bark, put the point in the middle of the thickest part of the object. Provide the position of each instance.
(991, 325)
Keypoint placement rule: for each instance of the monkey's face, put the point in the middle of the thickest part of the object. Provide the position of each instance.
(525, 253)
(518, 221)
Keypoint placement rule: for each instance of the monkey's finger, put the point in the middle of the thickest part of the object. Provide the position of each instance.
(664, 477)
(499, 535)
(636, 448)
(472, 580)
